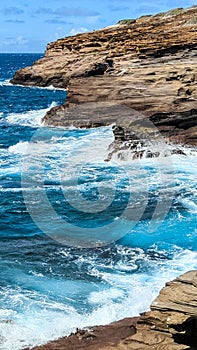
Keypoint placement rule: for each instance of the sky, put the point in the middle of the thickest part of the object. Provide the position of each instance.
(29, 25)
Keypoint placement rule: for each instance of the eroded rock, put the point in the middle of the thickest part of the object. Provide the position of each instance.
(171, 324)
(148, 65)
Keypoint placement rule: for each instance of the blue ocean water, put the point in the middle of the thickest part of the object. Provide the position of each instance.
(83, 242)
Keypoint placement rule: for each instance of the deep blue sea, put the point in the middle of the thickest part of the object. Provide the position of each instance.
(83, 241)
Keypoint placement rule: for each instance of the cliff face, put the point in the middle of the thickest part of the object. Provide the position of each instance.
(171, 324)
(148, 65)
(119, 75)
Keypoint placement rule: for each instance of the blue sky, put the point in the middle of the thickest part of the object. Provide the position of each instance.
(27, 26)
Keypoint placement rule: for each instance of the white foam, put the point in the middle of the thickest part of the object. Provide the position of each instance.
(106, 296)
(30, 118)
(13, 190)
(50, 87)
(139, 290)
(189, 204)
(164, 154)
(62, 147)
(19, 148)
(5, 83)
(121, 294)
(43, 320)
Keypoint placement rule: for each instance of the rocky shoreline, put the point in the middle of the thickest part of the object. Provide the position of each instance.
(139, 76)
(171, 324)
(146, 66)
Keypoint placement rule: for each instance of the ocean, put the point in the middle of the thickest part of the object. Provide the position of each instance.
(83, 241)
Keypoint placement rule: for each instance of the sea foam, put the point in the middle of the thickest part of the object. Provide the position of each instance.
(126, 296)
(30, 118)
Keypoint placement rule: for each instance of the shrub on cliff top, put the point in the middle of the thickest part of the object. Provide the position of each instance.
(126, 21)
(144, 16)
(192, 21)
(174, 12)
(170, 13)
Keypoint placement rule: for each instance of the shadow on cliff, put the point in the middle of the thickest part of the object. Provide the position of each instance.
(187, 333)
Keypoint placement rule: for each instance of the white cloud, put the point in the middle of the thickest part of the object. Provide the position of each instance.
(66, 12)
(18, 41)
(92, 19)
(75, 31)
(21, 41)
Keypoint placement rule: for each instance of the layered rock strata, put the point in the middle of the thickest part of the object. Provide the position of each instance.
(125, 75)
(148, 64)
(171, 324)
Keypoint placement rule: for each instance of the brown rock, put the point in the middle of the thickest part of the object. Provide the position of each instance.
(148, 65)
(95, 337)
(119, 47)
(171, 324)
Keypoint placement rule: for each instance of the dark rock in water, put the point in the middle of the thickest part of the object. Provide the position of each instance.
(150, 154)
(138, 154)
(178, 151)
(119, 135)
(171, 324)
(140, 77)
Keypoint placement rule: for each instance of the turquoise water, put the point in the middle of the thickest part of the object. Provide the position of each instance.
(83, 242)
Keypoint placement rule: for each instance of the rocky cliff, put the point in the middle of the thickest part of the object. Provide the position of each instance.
(170, 325)
(127, 74)
(147, 64)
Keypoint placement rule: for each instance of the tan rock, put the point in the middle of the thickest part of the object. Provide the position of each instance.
(149, 65)
(170, 325)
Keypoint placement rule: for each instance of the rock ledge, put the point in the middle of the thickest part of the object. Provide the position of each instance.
(148, 65)
(170, 325)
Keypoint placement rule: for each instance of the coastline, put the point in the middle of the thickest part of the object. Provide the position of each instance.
(157, 82)
(170, 324)
(147, 67)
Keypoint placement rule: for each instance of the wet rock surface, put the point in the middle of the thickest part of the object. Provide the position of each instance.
(128, 75)
(170, 324)
(95, 337)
